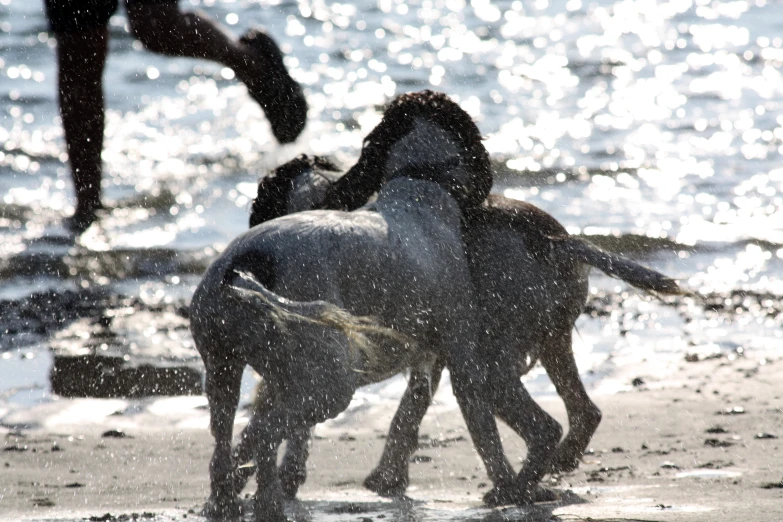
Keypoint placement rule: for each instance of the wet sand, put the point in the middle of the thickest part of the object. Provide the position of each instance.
(701, 444)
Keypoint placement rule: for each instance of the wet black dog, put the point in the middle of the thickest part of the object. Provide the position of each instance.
(292, 298)
(531, 281)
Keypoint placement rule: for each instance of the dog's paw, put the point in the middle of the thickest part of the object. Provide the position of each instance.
(564, 462)
(542, 494)
(386, 483)
(268, 504)
(512, 494)
(222, 510)
(508, 494)
(566, 466)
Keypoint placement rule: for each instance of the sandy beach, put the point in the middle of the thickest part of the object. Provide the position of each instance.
(701, 445)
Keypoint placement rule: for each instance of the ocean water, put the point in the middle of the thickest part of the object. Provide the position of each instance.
(653, 127)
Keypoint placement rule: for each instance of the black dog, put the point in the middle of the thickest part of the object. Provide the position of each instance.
(531, 282)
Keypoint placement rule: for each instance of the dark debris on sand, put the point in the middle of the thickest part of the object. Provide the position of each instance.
(40, 315)
(108, 517)
(93, 356)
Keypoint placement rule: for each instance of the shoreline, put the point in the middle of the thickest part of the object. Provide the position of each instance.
(686, 449)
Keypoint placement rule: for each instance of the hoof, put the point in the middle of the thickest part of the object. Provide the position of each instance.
(386, 484)
(222, 510)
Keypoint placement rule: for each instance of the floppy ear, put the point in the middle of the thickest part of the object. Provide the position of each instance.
(366, 176)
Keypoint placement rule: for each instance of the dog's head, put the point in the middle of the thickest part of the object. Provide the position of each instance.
(300, 184)
(424, 135)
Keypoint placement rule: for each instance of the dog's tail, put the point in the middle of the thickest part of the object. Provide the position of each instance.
(613, 265)
(360, 331)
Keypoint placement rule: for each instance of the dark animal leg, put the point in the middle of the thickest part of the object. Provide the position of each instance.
(541, 433)
(390, 477)
(242, 458)
(293, 470)
(583, 415)
(313, 385)
(223, 381)
(264, 434)
(469, 382)
(242, 455)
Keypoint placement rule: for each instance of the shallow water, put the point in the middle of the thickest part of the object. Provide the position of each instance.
(654, 127)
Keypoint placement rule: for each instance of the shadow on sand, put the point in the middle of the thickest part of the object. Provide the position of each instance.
(435, 510)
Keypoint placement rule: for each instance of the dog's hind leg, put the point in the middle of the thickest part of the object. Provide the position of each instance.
(242, 454)
(291, 418)
(223, 379)
(390, 477)
(293, 470)
(263, 435)
(541, 433)
(583, 415)
(311, 380)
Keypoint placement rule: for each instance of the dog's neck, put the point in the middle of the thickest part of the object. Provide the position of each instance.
(427, 152)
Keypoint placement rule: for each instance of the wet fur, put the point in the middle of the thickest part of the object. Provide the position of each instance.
(531, 281)
(366, 176)
(276, 195)
(303, 344)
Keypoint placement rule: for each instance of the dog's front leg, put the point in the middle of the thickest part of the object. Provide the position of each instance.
(469, 383)
(390, 477)
(583, 415)
(541, 433)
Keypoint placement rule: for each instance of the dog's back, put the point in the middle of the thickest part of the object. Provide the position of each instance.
(525, 288)
(389, 263)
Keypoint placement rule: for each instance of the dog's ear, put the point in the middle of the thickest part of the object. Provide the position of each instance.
(366, 177)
